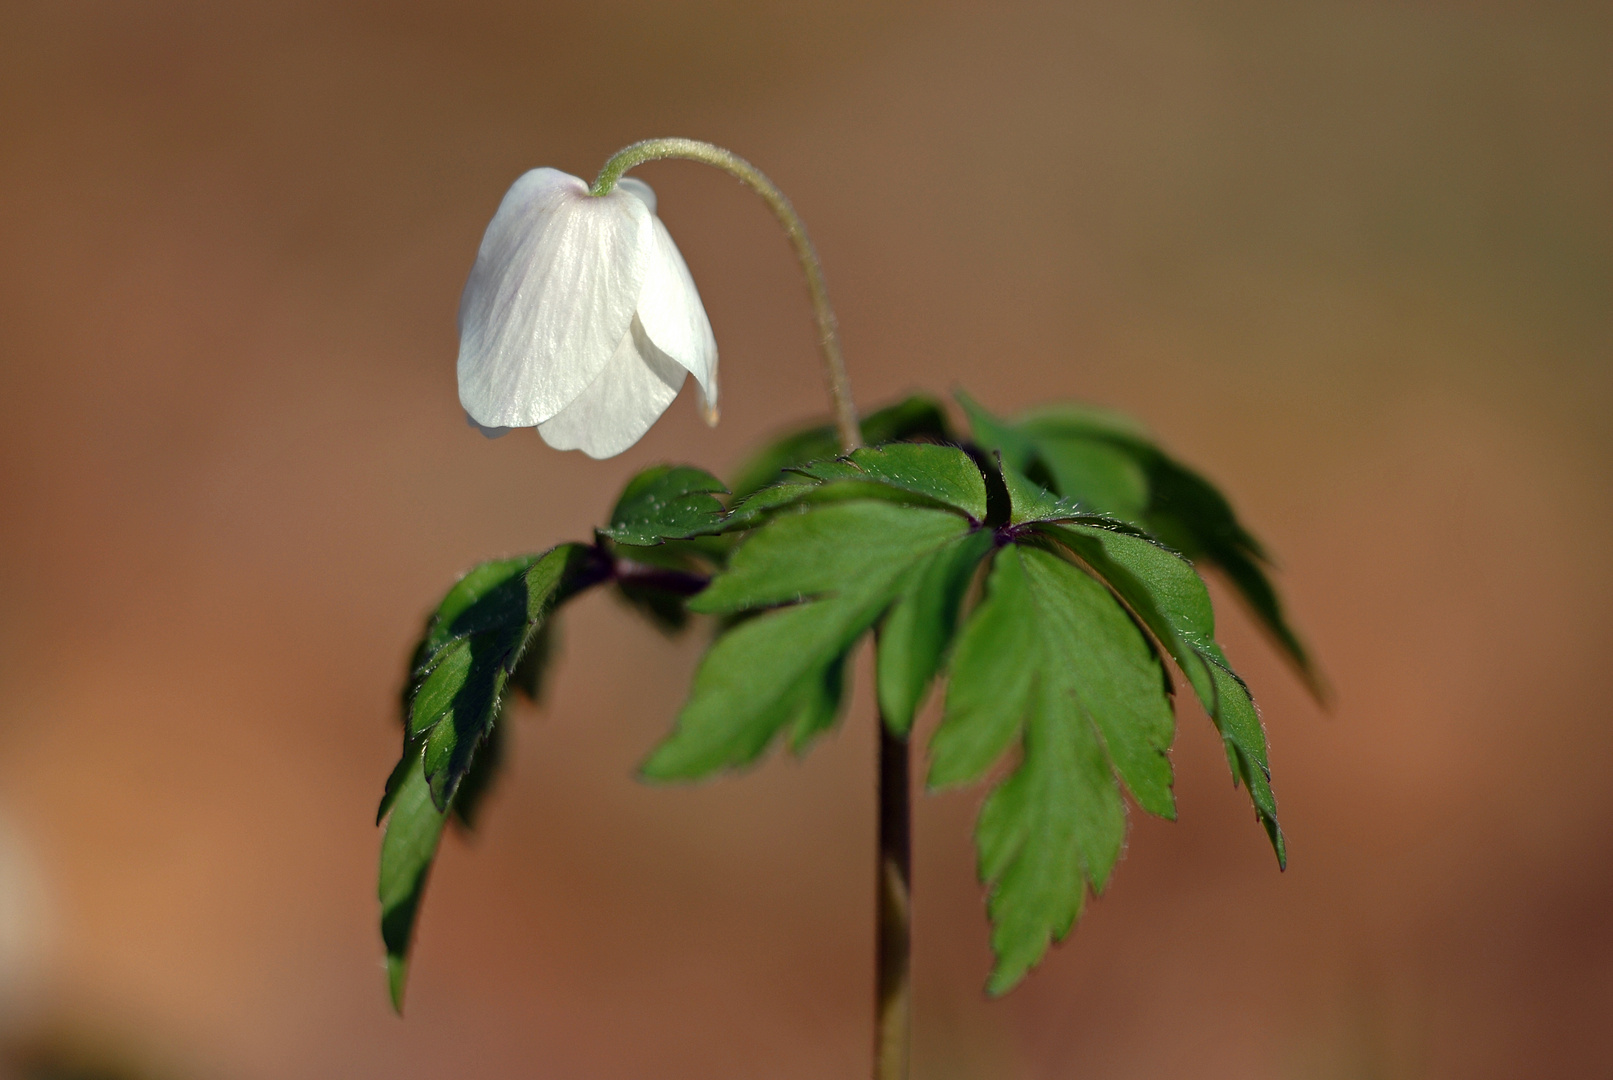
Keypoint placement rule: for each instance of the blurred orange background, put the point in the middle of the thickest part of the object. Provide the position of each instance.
(1354, 260)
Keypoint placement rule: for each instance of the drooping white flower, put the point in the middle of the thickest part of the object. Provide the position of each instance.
(580, 317)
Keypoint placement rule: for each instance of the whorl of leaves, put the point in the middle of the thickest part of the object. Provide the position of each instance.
(1043, 569)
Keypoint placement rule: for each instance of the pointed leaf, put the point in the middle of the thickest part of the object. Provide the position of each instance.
(1161, 587)
(916, 474)
(1112, 671)
(1169, 597)
(493, 618)
(667, 502)
(1056, 821)
(757, 679)
(992, 674)
(483, 629)
(837, 568)
(1097, 474)
(942, 475)
(797, 491)
(1185, 509)
(1053, 656)
(752, 510)
(485, 767)
(916, 417)
(1077, 418)
(918, 628)
(820, 705)
(1245, 742)
(1108, 464)
(479, 601)
(413, 829)
(842, 548)
(992, 434)
(1030, 501)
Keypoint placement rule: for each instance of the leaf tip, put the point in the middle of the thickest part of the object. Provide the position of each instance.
(1004, 977)
(898, 718)
(661, 767)
(1317, 683)
(442, 785)
(397, 977)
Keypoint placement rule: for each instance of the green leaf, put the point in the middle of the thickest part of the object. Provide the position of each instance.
(1161, 587)
(1058, 661)
(485, 767)
(1169, 597)
(918, 628)
(763, 675)
(666, 502)
(1103, 658)
(530, 678)
(1107, 463)
(918, 474)
(836, 568)
(1032, 504)
(477, 604)
(820, 705)
(1018, 450)
(460, 674)
(1041, 833)
(413, 829)
(993, 673)
(1030, 501)
(916, 417)
(842, 549)
(1245, 743)
(1086, 453)
(941, 475)
(1078, 418)
(1098, 474)
(479, 601)
(758, 506)
(1187, 511)
(473, 645)
(799, 490)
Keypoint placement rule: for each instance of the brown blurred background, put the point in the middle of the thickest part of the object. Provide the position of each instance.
(1353, 259)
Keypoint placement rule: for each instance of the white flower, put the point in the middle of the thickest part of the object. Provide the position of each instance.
(580, 317)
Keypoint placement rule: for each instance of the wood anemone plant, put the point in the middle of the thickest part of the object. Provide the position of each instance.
(1046, 565)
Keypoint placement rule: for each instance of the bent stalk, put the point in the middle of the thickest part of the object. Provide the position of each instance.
(892, 939)
(834, 363)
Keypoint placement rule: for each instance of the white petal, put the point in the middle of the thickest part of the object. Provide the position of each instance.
(638, 187)
(619, 406)
(552, 294)
(673, 316)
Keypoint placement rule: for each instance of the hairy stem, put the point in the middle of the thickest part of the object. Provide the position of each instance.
(834, 362)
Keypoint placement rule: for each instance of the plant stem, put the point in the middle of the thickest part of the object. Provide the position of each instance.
(834, 363)
(893, 935)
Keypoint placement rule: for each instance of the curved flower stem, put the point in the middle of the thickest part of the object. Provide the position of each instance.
(828, 335)
(892, 993)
